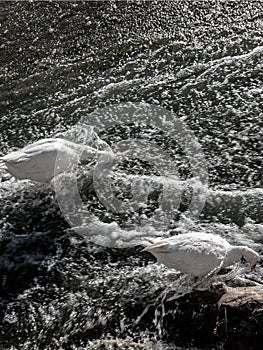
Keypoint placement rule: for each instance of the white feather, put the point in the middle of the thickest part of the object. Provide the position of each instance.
(199, 254)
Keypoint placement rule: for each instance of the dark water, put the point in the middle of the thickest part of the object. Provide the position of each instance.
(61, 61)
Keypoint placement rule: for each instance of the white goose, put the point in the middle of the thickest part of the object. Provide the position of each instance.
(37, 161)
(200, 254)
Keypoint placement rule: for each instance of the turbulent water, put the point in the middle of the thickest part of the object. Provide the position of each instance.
(112, 65)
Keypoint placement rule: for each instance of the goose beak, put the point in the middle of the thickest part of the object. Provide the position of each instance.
(253, 267)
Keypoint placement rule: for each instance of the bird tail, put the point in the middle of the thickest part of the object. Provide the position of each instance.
(150, 240)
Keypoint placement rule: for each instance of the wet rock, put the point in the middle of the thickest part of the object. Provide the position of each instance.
(240, 317)
(190, 319)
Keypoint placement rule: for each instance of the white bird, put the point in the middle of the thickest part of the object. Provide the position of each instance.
(37, 161)
(200, 254)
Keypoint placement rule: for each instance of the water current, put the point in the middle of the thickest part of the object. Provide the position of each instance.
(175, 89)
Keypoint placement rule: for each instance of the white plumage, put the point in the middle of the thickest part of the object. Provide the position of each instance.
(37, 161)
(199, 254)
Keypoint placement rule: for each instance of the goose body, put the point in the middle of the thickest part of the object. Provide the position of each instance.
(199, 254)
(37, 161)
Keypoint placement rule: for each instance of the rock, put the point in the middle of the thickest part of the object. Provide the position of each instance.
(240, 317)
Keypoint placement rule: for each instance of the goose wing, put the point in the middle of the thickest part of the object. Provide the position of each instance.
(41, 142)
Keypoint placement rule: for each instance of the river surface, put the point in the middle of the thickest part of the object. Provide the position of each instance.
(121, 67)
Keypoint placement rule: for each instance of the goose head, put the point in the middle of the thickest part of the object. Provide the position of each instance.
(242, 254)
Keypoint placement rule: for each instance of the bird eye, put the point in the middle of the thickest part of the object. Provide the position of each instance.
(243, 259)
